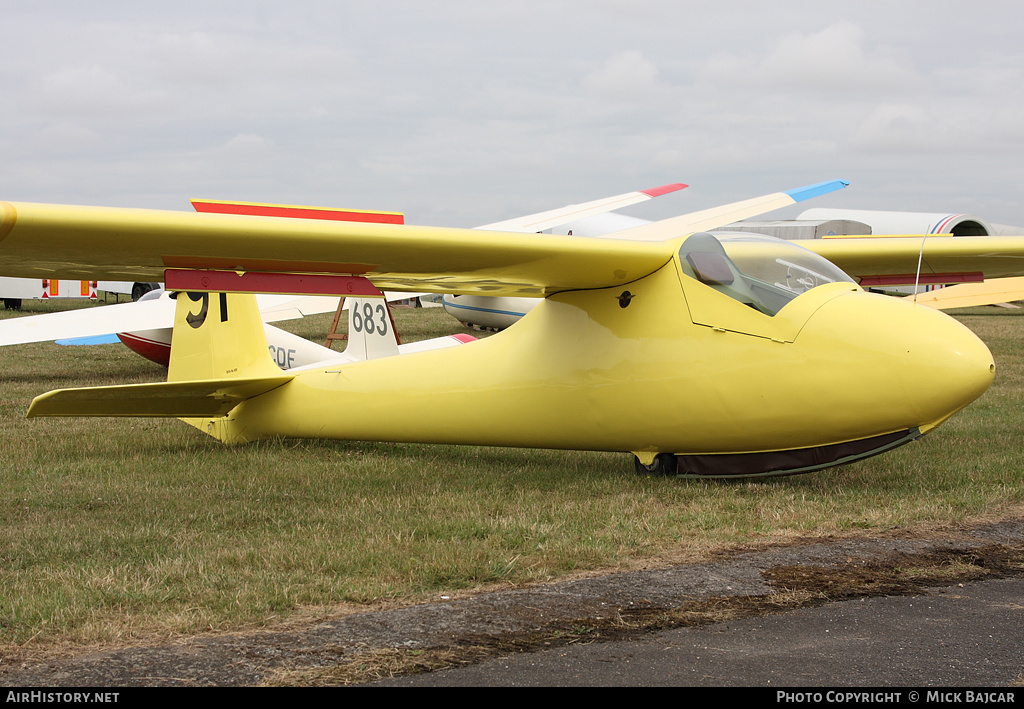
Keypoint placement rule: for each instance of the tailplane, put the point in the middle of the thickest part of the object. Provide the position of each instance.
(219, 358)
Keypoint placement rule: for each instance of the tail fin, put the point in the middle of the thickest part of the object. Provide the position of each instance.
(219, 358)
(371, 331)
(219, 336)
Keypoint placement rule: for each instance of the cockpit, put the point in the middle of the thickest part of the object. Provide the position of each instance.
(762, 272)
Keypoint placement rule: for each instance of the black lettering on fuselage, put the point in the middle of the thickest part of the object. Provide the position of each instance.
(285, 358)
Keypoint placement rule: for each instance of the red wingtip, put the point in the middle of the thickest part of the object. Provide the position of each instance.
(664, 189)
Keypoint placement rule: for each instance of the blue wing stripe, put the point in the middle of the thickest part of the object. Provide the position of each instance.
(802, 193)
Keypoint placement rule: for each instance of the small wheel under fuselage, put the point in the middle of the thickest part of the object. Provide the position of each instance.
(664, 464)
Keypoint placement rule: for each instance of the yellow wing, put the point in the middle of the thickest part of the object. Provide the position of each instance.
(40, 240)
(47, 241)
(945, 259)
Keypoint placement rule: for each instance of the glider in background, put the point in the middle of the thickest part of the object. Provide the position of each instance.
(497, 313)
(700, 353)
(149, 323)
(998, 291)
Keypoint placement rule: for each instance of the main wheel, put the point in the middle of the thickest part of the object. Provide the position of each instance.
(664, 464)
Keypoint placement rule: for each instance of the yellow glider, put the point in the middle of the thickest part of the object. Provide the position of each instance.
(701, 354)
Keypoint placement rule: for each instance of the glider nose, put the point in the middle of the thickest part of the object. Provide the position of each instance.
(955, 367)
(914, 366)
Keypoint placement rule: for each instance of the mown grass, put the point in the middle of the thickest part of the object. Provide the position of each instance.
(116, 530)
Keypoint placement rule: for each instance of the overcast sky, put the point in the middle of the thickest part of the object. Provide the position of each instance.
(461, 113)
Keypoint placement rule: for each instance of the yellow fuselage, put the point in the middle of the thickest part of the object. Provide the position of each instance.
(680, 369)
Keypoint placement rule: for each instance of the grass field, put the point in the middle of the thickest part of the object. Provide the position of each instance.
(123, 530)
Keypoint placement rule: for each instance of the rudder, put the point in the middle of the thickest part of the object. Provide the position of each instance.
(371, 332)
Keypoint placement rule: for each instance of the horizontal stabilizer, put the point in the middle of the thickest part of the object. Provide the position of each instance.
(185, 399)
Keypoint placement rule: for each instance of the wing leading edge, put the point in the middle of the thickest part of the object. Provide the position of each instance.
(138, 244)
(38, 240)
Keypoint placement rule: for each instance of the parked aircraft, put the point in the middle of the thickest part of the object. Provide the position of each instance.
(290, 351)
(702, 354)
(144, 326)
(157, 308)
(485, 312)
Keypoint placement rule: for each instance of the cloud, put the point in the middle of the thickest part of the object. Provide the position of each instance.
(626, 76)
(954, 129)
(90, 91)
(248, 145)
(833, 60)
(461, 113)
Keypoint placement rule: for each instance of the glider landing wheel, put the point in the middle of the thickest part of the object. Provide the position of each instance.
(664, 464)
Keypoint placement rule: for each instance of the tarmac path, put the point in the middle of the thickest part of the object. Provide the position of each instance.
(965, 635)
(946, 609)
